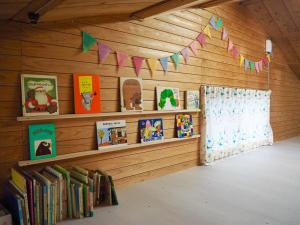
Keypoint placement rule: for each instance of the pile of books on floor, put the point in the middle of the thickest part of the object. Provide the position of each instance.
(54, 194)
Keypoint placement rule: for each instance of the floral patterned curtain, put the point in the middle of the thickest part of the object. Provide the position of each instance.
(234, 120)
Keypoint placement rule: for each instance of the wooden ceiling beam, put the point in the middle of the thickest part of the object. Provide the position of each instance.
(163, 7)
(36, 8)
(213, 3)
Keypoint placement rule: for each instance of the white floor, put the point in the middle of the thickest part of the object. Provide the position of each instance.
(256, 188)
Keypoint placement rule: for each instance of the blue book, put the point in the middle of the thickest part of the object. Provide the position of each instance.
(151, 130)
(14, 205)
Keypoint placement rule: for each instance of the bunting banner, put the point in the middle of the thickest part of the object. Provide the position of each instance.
(219, 23)
(224, 34)
(164, 63)
(138, 63)
(87, 41)
(206, 31)
(152, 63)
(230, 45)
(193, 47)
(103, 51)
(201, 39)
(175, 58)
(185, 53)
(121, 59)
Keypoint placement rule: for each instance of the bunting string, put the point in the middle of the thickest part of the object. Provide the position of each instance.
(88, 41)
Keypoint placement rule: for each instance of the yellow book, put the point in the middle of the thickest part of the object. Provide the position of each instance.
(19, 180)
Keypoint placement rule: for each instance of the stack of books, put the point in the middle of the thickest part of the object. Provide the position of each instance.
(54, 194)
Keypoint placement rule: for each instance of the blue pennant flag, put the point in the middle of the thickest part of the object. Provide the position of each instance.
(164, 63)
(212, 22)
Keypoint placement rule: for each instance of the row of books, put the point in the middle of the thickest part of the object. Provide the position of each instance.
(54, 194)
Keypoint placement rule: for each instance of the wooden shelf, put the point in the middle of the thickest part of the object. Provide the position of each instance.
(101, 115)
(97, 152)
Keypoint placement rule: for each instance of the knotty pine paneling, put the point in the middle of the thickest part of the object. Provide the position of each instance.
(57, 50)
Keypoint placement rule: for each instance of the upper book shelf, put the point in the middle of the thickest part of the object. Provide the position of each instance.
(102, 115)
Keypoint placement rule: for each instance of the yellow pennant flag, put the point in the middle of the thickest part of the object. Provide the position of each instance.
(269, 57)
(152, 63)
(242, 60)
(206, 31)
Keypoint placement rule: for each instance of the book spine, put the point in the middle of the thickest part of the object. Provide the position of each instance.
(45, 205)
(20, 212)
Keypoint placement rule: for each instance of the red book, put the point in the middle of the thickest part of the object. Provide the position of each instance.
(86, 93)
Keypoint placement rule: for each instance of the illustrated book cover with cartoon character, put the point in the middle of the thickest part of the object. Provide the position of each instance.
(151, 130)
(184, 125)
(168, 98)
(39, 95)
(87, 93)
(42, 141)
(110, 133)
(192, 100)
(131, 92)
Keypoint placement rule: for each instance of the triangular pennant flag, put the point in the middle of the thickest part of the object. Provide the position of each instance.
(265, 61)
(219, 23)
(246, 64)
(164, 63)
(121, 58)
(235, 52)
(137, 62)
(193, 47)
(206, 31)
(152, 63)
(175, 58)
(201, 39)
(87, 41)
(256, 65)
(241, 60)
(269, 57)
(224, 34)
(212, 22)
(230, 45)
(260, 64)
(103, 51)
(251, 64)
(185, 54)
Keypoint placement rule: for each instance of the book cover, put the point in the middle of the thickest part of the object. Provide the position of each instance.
(86, 93)
(151, 130)
(42, 141)
(110, 133)
(131, 92)
(13, 203)
(39, 95)
(168, 98)
(192, 100)
(184, 125)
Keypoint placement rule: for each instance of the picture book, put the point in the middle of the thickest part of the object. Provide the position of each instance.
(131, 92)
(168, 98)
(111, 133)
(192, 100)
(42, 141)
(39, 95)
(151, 130)
(86, 93)
(184, 125)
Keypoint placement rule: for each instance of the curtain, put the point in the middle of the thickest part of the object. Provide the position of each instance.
(234, 120)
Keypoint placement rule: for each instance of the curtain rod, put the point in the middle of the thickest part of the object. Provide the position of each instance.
(219, 85)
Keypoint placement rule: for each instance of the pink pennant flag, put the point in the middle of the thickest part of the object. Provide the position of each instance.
(224, 34)
(185, 54)
(201, 39)
(265, 60)
(256, 65)
(137, 62)
(260, 65)
(121, 59)
(103, 51)
(235, 52)
(193, 47)
(230, 46)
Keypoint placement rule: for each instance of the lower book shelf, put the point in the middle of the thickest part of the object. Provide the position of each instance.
(96, 152)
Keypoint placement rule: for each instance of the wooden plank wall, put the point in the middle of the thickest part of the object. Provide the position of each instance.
(57, 50)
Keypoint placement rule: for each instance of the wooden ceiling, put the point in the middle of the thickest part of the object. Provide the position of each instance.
(281, 20)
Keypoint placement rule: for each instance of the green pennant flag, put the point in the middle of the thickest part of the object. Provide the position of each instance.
(251, 64)
(175, 58)
(219, 23)
(87, 41)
